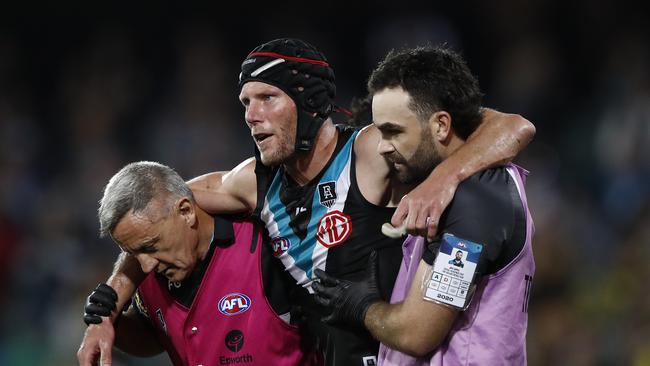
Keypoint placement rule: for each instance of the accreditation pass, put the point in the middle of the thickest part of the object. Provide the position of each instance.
(453, 272)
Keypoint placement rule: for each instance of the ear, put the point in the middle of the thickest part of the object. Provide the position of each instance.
(186, 210)
(440, 123)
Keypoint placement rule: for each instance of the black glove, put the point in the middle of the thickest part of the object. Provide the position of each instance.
(349, 301)
(101, 302)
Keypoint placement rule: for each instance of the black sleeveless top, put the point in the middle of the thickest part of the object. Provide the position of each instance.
(327, 224)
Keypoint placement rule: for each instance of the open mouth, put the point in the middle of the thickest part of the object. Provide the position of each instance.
(259, 137)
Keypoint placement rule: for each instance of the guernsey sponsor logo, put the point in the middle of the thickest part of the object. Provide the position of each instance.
(334, 228)
(225, 360)
(235, 342)
(234, 304)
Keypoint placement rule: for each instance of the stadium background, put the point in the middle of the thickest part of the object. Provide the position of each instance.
(88, 87)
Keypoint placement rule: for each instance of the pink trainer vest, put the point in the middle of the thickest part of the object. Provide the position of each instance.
(230, 321)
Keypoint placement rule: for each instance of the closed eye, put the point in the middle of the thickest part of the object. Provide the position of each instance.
(390, 129)
(148, 246)
(151, 248)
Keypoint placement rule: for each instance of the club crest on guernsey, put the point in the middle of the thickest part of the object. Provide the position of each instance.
(327, 193)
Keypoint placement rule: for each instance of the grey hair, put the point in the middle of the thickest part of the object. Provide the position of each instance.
(134, 187)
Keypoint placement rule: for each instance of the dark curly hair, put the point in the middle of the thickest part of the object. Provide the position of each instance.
(436, 78)
(361, 109)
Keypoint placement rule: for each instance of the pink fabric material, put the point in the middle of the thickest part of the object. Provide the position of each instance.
(199, 335)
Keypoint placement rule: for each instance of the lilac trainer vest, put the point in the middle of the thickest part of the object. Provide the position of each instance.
(492, 331)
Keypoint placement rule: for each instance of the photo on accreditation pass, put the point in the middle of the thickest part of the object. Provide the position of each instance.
(453, 271)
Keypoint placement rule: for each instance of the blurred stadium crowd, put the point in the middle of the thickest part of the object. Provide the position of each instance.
(80, 96)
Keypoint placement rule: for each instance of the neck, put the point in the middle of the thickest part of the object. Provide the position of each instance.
(205, 224)
(454, 144)
(305, 167)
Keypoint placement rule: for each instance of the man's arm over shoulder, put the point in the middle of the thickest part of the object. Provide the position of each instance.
(498, 139)
(223, 192)
(227, 192)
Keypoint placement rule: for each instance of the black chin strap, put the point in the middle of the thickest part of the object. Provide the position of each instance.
(262, 176)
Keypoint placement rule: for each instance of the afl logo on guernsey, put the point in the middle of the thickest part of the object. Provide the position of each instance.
(234, 304)
(280, 245)
(334, 228)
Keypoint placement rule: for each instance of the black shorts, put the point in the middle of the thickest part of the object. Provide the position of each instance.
(337, 345)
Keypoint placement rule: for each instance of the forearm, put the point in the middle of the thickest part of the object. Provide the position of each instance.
(385, 323)
(125, 279)
(413, 332)
(135, 336)
(414, 326)
(400, 329)
(497, 140)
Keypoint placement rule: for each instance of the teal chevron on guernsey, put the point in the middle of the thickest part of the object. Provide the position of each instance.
(304, 255)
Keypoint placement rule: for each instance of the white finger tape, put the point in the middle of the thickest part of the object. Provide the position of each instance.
(393, 232)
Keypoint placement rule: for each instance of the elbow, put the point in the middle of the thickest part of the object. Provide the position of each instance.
(419, 346)
(205, 181)
(418, 350)
(196, 183)
(525, 129)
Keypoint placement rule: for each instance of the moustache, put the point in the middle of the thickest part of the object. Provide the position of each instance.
(395, 158)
